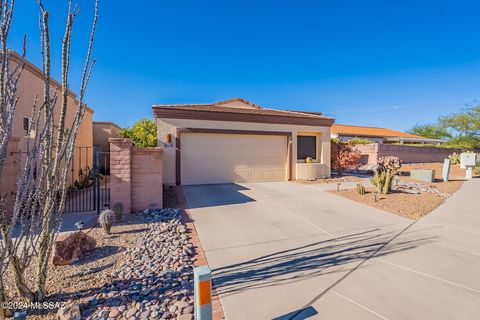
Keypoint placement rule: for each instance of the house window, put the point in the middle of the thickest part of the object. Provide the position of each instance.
(26, 125)
(306, 147)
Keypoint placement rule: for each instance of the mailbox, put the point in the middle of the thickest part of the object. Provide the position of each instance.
(467, 159)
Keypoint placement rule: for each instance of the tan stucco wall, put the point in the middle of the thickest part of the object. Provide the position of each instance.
(168, 126)
(102, 131)
(29, 86)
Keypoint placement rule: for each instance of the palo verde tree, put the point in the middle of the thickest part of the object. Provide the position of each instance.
(464, 127)
(143, 133)
(430, 130)
(41, 185)
(460, 129)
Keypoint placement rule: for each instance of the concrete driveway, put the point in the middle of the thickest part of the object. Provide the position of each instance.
(293, 251)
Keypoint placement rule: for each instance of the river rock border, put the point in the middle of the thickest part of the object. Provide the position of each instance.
(156, 279)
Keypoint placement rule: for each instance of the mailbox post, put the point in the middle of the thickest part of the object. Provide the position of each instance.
(468, 161)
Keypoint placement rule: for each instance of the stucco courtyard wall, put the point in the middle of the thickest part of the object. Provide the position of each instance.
(371, 152)
(136, 176)
(31, 85)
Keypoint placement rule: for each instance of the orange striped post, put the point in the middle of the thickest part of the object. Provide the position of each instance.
(202, 277)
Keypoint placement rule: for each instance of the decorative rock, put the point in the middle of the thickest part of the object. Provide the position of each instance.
(72, 248)
(69, 312)
(145, 314)
(114, 313)
(156, 279)
(188, 310)
(131, 312)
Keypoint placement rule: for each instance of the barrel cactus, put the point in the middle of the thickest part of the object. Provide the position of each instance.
(360, 189)
(106, 220)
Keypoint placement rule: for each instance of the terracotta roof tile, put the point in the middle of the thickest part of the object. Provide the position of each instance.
(348, 130)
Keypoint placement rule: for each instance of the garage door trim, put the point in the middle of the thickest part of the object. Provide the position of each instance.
(178, 143)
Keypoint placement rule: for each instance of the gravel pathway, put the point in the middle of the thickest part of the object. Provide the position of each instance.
(156, 279)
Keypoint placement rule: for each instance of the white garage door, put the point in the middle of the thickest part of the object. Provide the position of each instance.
(220, 158)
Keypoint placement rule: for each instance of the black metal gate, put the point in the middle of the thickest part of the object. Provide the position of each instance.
(89, 187)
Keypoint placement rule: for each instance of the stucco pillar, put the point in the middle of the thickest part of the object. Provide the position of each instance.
(326, 146)
(120, 173)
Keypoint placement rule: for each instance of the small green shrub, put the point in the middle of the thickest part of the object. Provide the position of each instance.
(360, 189)
(106, 220)
(357, 140)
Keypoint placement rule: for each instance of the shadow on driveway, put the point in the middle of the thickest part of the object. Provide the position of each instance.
(212, 195)
(309, 261)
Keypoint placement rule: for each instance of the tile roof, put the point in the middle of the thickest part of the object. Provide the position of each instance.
(219, 107)
(348, 130)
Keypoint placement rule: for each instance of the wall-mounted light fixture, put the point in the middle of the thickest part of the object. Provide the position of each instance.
(168, 138)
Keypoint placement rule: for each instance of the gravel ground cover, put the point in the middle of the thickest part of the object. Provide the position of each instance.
(84, 278)
(156, 279)
(413, 206)
(143, 270)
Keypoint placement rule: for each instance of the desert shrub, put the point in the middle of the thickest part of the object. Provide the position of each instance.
(454, 158)
(106, 220)
(343, 156)
(143, 133)
(387, 168)
(357, 140)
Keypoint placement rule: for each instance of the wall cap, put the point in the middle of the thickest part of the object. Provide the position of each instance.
(120, 140)
(147, 149)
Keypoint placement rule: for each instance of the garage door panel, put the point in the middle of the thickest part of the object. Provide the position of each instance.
(220, 158)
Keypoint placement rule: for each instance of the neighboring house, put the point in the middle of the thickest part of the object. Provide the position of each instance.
(378, 135)
(238, 141)
(31, 84)
(102, 131)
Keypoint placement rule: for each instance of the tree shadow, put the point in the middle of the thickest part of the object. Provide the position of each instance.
(129, 231)
(97, 254)
(336, 255)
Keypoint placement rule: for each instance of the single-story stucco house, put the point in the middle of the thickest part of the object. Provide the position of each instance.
(238, 141)
(345, 132)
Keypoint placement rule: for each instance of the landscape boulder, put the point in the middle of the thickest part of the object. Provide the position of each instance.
(72, 248)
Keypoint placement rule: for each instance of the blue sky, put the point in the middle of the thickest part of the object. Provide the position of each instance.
(378, 63)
